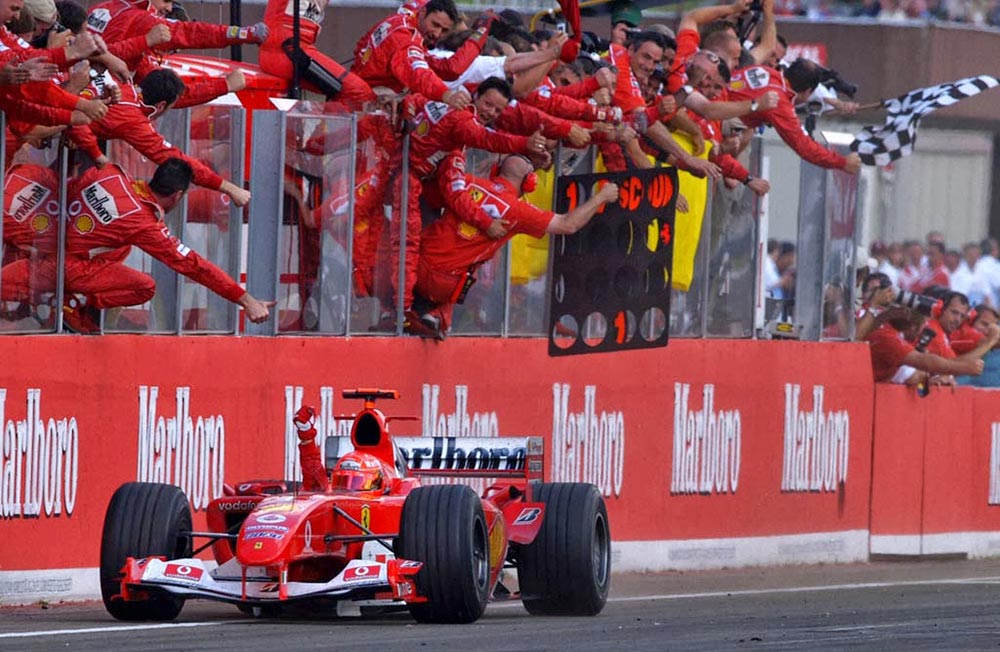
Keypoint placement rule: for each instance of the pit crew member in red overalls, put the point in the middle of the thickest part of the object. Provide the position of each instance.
(108, 212)
(453, 247)
(318, 71)
(130, 119)
(798, 82)
(436, 131)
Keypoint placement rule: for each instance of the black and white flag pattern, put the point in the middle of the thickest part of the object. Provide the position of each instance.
(895, 139)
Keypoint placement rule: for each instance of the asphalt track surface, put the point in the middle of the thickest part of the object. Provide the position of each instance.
(952, 605)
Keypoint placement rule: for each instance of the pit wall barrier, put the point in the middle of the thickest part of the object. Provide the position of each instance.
(709, 453)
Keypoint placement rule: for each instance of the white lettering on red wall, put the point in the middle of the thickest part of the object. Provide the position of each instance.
(707, 445)
(587, 446)
(39, 462)
(459, 423)
(180, 450)
(326, 426)
(995, 464)
(817, 444)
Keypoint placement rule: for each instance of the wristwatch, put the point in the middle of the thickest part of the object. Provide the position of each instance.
(687, 89)
(754, 105)
(746, 182)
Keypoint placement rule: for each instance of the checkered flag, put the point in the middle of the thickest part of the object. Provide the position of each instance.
(896, 138)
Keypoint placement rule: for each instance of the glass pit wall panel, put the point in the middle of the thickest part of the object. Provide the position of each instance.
(317, 196)
(33, 236)
(206, 221)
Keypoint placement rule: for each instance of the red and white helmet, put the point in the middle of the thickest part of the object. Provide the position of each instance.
(357, 471)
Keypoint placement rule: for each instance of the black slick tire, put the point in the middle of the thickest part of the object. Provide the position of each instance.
(566, 570)
(144, 519)
(444, 527)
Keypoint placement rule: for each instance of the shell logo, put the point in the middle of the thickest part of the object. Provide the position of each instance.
(84, 223)
(40, 223)
(467, 231)
(139, 187)
(498, 537)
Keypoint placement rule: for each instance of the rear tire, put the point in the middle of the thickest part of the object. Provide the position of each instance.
(144, 519)
(566, 570)
(444, 527)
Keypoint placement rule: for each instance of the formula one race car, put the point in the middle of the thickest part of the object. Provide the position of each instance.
(437, 550)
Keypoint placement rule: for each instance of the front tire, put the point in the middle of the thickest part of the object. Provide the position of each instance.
(444, 527)
(566, 570)
(144, 519)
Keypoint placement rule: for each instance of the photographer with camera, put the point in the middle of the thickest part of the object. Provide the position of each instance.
(891, 329)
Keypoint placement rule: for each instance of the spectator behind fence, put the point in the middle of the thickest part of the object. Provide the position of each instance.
(985, 319)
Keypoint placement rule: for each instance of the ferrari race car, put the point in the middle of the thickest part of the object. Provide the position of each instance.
(438, 550)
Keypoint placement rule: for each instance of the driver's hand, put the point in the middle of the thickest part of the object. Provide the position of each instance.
(305, 422)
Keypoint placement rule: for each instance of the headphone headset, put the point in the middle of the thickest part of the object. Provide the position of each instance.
(530, 181)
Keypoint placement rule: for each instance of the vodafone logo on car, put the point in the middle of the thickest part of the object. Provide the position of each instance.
(361, 573)
(183, 572)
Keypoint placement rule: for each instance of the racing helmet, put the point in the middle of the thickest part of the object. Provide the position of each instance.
(357, 472)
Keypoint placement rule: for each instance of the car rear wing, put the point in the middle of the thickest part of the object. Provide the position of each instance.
(475, 457)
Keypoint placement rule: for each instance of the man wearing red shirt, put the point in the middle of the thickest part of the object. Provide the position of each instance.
(798, 82)
(453, 247)
(635, 64)
(130, 119)
(936, 273)
(318, 70)
(394, 54)
(107, 213)
(436, 131)
(127, 24)
(891, 350)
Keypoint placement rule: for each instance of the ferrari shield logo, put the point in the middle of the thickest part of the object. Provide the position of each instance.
(366, 517)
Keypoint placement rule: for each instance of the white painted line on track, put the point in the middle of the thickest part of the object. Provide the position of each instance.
(517, 604)
(789, 589)
(120, 628)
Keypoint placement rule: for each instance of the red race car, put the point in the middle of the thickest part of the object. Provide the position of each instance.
(374, 538)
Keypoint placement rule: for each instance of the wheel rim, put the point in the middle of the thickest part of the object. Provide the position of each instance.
(480, 561)
(601, 551)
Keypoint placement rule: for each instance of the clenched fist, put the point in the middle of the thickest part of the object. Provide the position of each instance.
(305, 423)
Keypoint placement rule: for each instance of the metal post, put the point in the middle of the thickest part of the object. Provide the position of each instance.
(352, 180)
(179, 279)
(404, 207)
(235, 18)
(238, 171)
(295, 90)
(61, 244)
(267, 179)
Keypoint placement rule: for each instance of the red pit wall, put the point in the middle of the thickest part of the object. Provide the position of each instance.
(623, 409)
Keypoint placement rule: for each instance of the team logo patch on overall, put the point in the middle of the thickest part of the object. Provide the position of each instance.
(109, 200)
(26, 197)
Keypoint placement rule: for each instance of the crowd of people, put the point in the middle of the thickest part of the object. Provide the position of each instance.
(976, 12)
(930, 312)
(448, 81)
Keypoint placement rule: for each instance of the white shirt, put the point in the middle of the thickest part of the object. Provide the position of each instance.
(481, 69)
